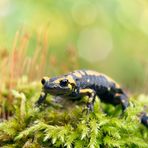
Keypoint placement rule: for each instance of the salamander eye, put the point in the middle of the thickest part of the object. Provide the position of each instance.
(64, 82)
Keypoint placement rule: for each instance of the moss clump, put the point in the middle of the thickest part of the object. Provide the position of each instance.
(56, 125)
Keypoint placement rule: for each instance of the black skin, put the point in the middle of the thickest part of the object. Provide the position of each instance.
(144, 120)
(89, 83)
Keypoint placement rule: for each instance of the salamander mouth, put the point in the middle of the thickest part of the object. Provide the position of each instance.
(57, 92)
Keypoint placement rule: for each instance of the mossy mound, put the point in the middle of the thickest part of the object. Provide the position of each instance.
(56, 125)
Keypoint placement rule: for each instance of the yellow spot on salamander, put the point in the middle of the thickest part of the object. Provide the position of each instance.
(46, 78)
(71, 80)
(90, 72)
(77, 74)
(82, 73)
(58, 80)
(86, 91)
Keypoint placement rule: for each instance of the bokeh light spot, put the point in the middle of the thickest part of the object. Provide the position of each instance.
(144, 21)
(4, 7)
(94, 44)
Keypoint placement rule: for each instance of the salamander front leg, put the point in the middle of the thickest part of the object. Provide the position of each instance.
(91, 94)
(41, 99)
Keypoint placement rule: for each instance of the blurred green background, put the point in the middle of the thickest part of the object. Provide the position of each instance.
(110, 36)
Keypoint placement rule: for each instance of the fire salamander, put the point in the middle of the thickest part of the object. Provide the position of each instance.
(88, 83)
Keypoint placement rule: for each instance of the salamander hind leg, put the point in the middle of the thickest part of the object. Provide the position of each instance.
(144, 120)
(122, 99)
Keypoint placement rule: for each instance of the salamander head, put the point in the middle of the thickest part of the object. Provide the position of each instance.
(58, 86)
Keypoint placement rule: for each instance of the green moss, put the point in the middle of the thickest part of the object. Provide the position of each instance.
(59, 125)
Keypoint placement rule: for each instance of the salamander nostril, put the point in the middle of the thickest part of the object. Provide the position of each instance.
(43, 81)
